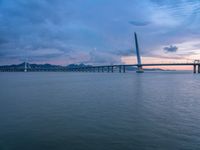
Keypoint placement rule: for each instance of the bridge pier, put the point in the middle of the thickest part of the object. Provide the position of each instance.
(108, 69)
(102, 69)
(124, 68)
(139, 69)
(198, 68)
(112, 69)
(194, 69)
(120, 69)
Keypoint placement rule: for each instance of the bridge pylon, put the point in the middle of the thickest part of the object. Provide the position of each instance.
(139, 63)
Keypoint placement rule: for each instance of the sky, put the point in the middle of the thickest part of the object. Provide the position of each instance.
(98, 31)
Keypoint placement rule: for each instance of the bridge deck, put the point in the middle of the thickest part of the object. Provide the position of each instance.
(160, 64)
(102, 68)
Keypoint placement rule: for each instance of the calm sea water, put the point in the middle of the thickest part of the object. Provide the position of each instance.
(99, 111)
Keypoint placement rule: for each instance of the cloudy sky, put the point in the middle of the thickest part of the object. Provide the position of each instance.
(98, 31)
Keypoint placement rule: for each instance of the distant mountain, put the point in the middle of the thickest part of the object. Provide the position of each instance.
(41, 66)
(20, 67)
(78, 65)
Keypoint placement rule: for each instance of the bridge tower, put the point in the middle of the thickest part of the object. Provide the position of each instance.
(139, 64)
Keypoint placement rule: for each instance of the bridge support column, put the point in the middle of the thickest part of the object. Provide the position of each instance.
(102, 69)
(108, 69)
(198, 68)
(140, 69)
(124, 68)
(120, 69)
(194, 69)
(112, 69)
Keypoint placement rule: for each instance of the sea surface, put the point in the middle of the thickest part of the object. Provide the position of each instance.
(100, 111)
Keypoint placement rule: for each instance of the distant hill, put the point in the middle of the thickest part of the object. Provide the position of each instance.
(41, 66)
(47, 67)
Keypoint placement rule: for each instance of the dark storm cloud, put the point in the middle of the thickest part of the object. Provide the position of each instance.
(139, 23)
(170, 48)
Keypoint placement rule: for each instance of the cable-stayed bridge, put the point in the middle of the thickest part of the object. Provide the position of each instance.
(106, 68)
(139, 65)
